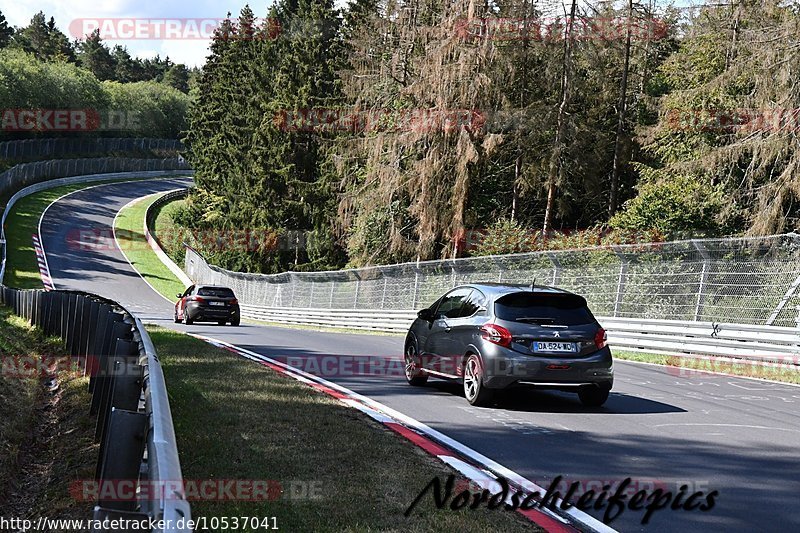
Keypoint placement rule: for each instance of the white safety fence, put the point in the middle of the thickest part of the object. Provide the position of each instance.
(724, 297)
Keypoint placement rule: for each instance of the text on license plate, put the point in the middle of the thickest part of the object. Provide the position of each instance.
(216, 303)
(554, 347)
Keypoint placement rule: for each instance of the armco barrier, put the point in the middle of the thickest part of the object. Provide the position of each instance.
(743, 341)
(129, 397)
(741, 294)
(152, 239)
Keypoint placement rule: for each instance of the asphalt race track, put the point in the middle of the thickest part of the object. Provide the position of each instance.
(659, 427)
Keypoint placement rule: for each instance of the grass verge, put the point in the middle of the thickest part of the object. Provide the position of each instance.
(46, 436)
(22, 271)
(785, 373)
(129, 229)
(235, 419)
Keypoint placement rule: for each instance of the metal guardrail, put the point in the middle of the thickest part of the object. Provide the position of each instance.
(139, 432)
(740, 280)
(672, 337)
(152, 238)
(129, 397)
(637, 300)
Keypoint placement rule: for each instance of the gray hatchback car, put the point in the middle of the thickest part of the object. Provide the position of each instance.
(494, 336)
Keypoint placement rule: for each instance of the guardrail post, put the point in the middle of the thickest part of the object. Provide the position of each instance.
(454, 275)
(116, 387)
(105, 319)
(311, 298)
(330, 300)
(623, 272)
(700, 247)
(98, 380)
(127, 437)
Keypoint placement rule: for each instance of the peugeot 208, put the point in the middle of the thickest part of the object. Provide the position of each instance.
(494, 336)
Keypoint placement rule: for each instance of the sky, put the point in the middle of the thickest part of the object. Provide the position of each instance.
(136, 23)
(191, 21)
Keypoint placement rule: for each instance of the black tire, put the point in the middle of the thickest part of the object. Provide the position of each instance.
(177, 320)
(413, 366)
(221, 322)
(235, 321)
(593, 396)
(187, 319)
(475, 391)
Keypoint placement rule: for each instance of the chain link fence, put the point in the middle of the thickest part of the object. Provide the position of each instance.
(735, 280)
(35, 149)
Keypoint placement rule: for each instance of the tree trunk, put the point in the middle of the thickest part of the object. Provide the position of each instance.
(621, 108)
(561, 124)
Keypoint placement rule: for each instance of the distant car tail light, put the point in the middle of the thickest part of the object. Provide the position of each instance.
(600, 338)
(234, 302)
(198, 299)
(496, 334)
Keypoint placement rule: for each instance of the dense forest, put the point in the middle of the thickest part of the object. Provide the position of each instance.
(41, 69)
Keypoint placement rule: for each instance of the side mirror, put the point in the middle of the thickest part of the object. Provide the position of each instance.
(179, 295)
(425, 314)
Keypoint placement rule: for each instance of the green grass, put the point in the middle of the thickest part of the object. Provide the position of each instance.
(46, 437)
(235, 419)
(22, 271)
(129, 228)
(785, 373)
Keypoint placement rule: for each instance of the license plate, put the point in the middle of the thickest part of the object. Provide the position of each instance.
(566, 347)
(216, 303)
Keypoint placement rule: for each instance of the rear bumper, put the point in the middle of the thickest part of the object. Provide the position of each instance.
(197, 312)
(504, 367)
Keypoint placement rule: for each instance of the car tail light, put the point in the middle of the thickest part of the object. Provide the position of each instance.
(600, 338)
(198, 299)
(234, 301)
(496, 334)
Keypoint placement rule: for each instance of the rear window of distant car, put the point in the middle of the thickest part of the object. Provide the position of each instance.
(543, 308)
(215, 292)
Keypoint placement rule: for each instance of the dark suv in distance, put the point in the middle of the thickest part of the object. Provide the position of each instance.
(209, 303)
(494, 336)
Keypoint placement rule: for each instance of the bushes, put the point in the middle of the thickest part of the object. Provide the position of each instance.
(142, 109)
(681, 205)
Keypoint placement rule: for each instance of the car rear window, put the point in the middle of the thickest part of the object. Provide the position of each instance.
(215, 292)
(543, 308)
